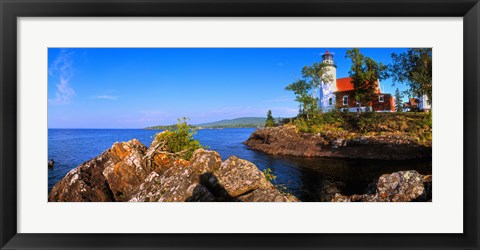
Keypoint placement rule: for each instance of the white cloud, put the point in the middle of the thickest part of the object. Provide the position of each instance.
(106, 97)
(62, 70)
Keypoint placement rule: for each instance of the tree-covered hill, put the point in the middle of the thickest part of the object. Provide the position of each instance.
(242, 122)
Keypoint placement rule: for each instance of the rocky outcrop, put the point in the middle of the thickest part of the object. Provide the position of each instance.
(129, 171)
(286, 140)
(402, 186)
(181, 180)
(85, 182)
(126, 170)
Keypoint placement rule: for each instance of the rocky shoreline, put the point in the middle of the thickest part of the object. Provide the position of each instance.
(286, 140)
(129, 171)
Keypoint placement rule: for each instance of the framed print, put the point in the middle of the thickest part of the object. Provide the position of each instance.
(223, 124)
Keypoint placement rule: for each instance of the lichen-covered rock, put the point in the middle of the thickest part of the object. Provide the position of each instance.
(127, 169)
(402, 186)
(239, 176)
(85, 182)
(111, 176)
(175, 183)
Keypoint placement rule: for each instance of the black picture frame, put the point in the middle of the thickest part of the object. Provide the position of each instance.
(10, 10)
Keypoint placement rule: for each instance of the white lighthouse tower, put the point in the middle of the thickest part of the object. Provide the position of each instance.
(328, 89)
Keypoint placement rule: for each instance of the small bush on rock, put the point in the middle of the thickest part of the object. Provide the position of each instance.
(179, 142)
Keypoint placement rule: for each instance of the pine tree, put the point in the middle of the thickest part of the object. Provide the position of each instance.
(270, 121)
(398, 101)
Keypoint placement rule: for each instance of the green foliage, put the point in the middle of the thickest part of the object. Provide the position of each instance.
(301, 90)
(316, 75)
(398, 101)
(367, 122)
(422, 127)
(334, 116)
(414, 68)
(270, 122)
(302, 125)
(365, 73)
(180, 141)
(305, 90)
(269, 175)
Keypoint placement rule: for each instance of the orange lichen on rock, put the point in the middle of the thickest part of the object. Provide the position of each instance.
(120, 150)
(181, 162)
(161, 159)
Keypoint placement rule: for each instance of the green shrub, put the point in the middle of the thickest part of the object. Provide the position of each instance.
(301, 125)
(269, 175)
(180, 141)
(367, 122)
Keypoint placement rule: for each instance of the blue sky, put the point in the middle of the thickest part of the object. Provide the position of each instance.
(139, 87)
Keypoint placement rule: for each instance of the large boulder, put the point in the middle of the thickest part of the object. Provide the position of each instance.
(240, 180)
(111, 176)
(85, 182)
(179, 182)
(127, 170)
(238, 177)
(402, 186)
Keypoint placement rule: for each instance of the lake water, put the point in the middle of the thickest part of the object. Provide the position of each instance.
(310, 179)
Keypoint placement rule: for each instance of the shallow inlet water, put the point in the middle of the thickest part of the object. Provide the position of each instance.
(310, 179)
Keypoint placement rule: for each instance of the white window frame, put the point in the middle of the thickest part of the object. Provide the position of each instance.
(345, 100)
(381, 98)
(330, 101)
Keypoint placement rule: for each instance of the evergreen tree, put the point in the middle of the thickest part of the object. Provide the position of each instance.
(398, 101)
(270, 121)
(414, 68)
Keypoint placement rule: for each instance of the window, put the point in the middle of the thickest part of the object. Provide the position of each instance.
(345, 100)
(380, 98)
(428, 102)
(330, 101)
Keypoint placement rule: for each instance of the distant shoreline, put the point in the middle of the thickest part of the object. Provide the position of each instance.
(242, 122)
(194, 127)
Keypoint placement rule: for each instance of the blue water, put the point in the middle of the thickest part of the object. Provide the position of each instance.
(306, 178)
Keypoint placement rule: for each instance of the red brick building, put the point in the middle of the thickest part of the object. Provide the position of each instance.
(345, 98)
